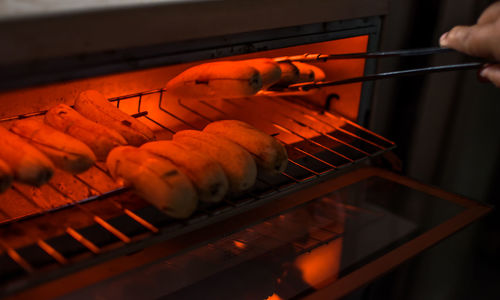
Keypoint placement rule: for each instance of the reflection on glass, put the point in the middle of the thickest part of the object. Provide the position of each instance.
(291, 254)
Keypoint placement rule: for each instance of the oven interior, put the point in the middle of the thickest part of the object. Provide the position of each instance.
(77, 221)
(77, 218)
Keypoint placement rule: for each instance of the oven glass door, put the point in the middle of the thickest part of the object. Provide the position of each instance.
(328, 245)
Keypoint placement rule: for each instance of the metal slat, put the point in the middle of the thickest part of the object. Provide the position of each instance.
(294, 162)
(100, 221)
(299, 171)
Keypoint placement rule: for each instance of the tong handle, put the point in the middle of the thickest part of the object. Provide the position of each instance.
(307, 57)
(465, 66)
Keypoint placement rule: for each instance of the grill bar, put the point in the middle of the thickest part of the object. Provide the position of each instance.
(18, 259)
(52, 252)
(285, 130)
(99, 220)
(199, 114)
(82, 240)
(335, 119)
(304, 168)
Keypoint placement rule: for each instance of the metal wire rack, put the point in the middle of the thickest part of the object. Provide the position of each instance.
(61, 225)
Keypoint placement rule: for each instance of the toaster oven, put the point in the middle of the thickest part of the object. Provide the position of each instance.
(326, 226)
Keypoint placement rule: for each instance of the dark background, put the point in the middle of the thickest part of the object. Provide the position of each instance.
(447, 128)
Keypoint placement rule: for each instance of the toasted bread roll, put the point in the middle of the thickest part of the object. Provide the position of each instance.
(289, 74)
(205, 173)
(154, 179)
(99, 138)
(216, 79)
(93, 105)
(6, 176)
(269, 70)
(28, 164)
(269, 153)
(309, 72)
(66, 152)
(236, 162)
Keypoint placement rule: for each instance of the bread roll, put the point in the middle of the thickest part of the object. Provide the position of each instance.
(269, 153)
(92, 105)
(236, 162)
(154, 179)
(28, 164)
(216, 80)
(269, 70)
(66, 152)
(99, 138)
(289, 74)
(6, 176)
(309, 72)
(205, 173)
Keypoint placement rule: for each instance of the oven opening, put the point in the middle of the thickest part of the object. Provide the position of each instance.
(75, 215)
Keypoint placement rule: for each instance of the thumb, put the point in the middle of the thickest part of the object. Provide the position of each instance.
(473, 40)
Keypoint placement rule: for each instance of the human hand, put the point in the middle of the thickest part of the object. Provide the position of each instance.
(481, 40)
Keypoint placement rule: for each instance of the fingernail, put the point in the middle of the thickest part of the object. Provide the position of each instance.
(443, 39)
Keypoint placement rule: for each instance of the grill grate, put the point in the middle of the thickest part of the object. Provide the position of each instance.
(62, 227)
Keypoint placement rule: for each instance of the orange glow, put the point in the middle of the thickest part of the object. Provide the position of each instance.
(239, 245)
(91, 246)
(321, 264)
(111, 229)
(350, 94)
(141, 221)
(274, 297)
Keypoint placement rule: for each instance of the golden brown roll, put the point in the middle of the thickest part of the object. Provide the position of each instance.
(216, 80)
(66, 152)
(269, 70)
(309, 72)
(289, 74)
(205, 173)
(99, 138)
(28, 164)
(6, 176)
(236, 162)
(269, 153)
(94, 106)
(154, 179)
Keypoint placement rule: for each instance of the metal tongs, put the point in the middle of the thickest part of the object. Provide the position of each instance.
(376, 54)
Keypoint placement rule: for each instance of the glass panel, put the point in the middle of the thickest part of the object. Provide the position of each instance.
(291, 254)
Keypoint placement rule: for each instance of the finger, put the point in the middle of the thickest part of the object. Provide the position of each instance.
(491, 14)
(492, 73)
(474, 40)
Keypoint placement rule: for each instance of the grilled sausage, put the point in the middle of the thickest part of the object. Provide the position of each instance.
(28, 164)
(289, 74)
(269, 153)
(269, 70)
(216, 79)
(154, 179)
(309, 72)
(205, 173)
(92, 105)
(66, 152)
(236, 162)
(99, 138)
